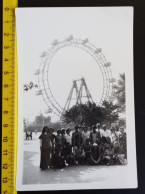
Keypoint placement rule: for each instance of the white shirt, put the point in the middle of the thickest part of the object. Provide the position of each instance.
(68, 138)
(105, 133)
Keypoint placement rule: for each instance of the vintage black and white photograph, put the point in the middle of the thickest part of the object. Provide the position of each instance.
(76, 126)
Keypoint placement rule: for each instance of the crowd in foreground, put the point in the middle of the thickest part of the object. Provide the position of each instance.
(91, 146)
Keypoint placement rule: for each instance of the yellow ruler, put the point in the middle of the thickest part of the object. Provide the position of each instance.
(9, 99)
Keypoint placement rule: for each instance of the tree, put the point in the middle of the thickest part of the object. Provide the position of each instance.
(89, 114)
(41, 120)
(110, 111)
(119, 92)
(83, 114)
(122, 122)
(47, 120)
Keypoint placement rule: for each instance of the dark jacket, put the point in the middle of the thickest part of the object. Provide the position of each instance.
(77, 138)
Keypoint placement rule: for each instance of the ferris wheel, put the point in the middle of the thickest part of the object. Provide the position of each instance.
(92, 50)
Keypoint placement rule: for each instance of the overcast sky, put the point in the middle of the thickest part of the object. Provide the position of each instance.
(108, 28)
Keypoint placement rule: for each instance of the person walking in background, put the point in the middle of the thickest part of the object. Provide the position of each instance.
(45, 148)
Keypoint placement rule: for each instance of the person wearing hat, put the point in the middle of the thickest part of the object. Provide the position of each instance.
(77, 137)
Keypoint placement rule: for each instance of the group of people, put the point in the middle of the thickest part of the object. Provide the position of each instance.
(94, 145)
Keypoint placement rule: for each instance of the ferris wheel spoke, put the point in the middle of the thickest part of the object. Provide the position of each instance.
(95, 53)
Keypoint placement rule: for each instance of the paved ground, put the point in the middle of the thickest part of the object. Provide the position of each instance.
(74, 174)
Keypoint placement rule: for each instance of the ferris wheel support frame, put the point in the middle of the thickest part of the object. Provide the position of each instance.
(96, 54)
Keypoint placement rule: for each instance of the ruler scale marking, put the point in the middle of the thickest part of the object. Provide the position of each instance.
(9, 99)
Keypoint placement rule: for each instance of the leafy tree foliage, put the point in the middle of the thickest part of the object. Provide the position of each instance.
(90, 114)
(119, 92)
(110, 111)
(41, 120)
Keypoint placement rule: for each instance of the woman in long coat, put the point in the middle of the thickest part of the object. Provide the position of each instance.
(45, 148)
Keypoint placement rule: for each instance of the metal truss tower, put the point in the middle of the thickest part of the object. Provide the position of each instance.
(79, 94)
(43, 76)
